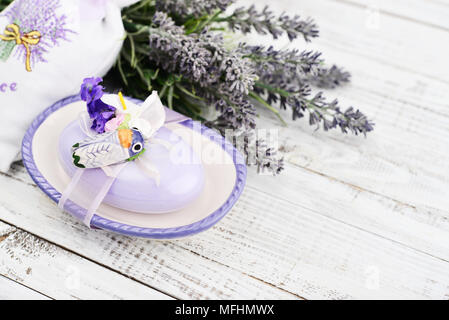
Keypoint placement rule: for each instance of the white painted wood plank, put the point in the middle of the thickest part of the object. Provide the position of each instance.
(430, 12)
(10, 290)
(265, 237)
(396, 42)
(407, 156)
(297, 247)
(162, 265)
(420, 227)
(60, 274)
(426, 230)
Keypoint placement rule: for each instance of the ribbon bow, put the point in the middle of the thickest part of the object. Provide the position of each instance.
(12, 33)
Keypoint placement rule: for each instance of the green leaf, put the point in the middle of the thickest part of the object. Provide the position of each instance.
(187, 92)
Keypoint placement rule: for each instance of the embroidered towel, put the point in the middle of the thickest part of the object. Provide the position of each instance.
(47, 48)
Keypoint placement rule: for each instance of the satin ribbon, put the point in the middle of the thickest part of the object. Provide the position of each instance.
(12, 33)
(158, 115)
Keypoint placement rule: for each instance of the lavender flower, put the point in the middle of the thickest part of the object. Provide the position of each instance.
(187, 8)
(263, 22)
(177, 52)
(99, 112)
(264, 157)
(236, 115)
(257, 152)
(291, 62)
(298, 99)
(174, 47)
(37, 15)
(239, 73)
(330, 115)
(330, 78)
(223, 77)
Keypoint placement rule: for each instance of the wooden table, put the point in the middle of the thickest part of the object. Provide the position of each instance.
(349, 218)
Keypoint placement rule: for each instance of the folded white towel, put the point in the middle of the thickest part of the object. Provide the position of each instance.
(47, 48)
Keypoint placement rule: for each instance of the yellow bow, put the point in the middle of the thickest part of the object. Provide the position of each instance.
(12, 33)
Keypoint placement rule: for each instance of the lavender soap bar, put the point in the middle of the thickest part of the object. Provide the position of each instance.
(181, 174)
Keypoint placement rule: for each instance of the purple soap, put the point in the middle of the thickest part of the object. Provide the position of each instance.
(181, 174)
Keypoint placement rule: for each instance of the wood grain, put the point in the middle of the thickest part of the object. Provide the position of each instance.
(406, 157)
(11, 290)
(400, 43)
(57, 273)
(163, 265)
(291, 247)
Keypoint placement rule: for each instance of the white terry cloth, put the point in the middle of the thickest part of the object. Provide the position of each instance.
(75, 39)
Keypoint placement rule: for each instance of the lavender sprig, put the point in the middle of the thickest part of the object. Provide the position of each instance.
(177, 47)
(176, 52)
(292, 62)
(265, 22)
(181, 52)
(329, 78)
(188, 8)
(328, 114)
(259, 154)
(197, 59)
(222, 77)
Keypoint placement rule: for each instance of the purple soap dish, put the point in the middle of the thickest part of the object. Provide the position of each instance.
(219, 178)
(181, 174)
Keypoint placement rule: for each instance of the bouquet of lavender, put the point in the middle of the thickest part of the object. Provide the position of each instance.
(177, 47)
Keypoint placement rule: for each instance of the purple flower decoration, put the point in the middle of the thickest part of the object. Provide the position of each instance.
(99, 112)
(91, 89)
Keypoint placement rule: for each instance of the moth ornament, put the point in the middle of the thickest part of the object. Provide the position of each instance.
(108, 148)
(117, 130)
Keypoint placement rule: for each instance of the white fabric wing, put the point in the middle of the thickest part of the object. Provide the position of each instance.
(151, 116)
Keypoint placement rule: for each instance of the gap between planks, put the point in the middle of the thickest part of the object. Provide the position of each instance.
(206, 241)
(20, 164)
(25, 292)
(130, 277)
(19, 168)
(13, 230)
(353, 225)
(244, 273)
(286, 292)
(18, 228)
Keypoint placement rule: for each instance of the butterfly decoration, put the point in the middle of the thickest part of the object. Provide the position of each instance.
(119, 131)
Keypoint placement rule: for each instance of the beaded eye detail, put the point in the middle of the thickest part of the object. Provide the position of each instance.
(137, 147)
